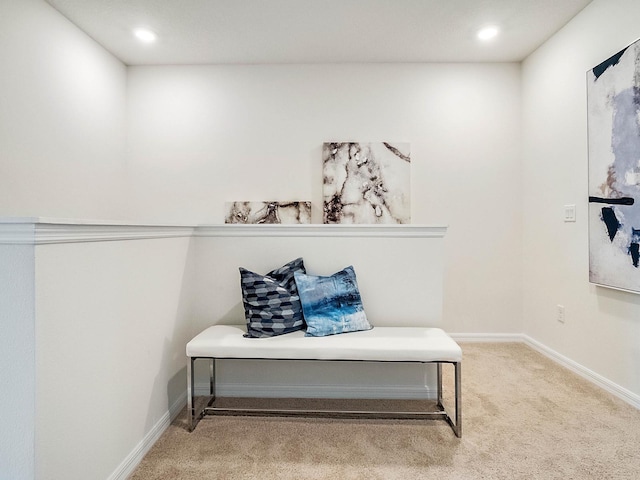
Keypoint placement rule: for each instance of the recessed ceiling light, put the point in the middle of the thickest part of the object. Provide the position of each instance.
(487, 33)
(145, 35)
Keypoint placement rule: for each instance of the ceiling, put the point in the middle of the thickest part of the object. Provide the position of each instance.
(318, 31)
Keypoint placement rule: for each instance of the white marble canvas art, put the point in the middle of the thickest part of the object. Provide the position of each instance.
(613, 89)
(267, 212)
(366, 182)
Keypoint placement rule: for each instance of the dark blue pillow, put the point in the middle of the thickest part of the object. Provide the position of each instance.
(271, 302)
(332, 304)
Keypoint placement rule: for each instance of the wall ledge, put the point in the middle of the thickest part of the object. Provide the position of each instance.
(40, 231)
(43, 231)
(320, 230)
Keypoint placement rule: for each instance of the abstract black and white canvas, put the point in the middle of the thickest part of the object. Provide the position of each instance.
(613, 89)
(366, 182)
(267, 212)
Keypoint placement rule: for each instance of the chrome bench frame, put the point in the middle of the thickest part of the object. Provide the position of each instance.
(439, 413)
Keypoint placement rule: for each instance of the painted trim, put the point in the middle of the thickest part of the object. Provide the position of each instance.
(595, 378)
(40, 231)
(129, 464)
(321, 230)
(17, 233)
(33, 231)
(49, 233)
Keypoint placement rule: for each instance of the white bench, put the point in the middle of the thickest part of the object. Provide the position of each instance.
(381, 344)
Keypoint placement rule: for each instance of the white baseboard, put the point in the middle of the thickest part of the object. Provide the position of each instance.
(595, 378)
(126, 468)
(318, 391)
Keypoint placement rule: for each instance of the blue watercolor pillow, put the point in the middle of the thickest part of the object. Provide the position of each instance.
(331, 305)
(271, 302)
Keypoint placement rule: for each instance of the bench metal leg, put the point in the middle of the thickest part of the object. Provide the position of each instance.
(439, 385)
(194, 417)
(212, 377)
(458, 367)
(457, 426)
(190, 395)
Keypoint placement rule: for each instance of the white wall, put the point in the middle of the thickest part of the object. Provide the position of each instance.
(62, 153)
(602, 326)
(17, 361)
(204, 135)
(62, 118)
(111, 327)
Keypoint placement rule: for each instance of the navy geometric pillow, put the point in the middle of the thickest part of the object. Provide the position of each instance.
(271, 302)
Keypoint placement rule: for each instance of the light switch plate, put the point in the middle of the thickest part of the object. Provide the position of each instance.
(569, 213)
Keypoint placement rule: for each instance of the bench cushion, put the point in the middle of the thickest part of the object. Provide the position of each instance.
(387, 344)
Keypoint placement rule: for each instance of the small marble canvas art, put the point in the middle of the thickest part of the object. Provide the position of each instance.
(366, 182)
(267, 212)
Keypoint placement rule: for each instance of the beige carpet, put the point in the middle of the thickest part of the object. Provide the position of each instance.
(524, 417)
